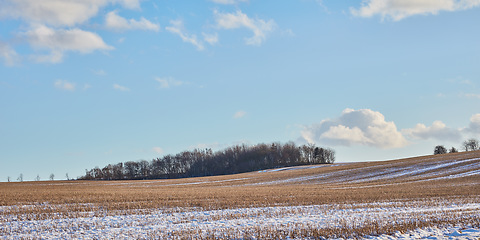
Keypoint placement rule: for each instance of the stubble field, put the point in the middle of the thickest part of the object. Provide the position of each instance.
(431, 196)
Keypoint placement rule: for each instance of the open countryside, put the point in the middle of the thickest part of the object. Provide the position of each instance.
(240, 119)
(378, 200)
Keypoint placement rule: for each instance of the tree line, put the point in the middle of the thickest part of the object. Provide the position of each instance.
(468, 145)
(205, 162)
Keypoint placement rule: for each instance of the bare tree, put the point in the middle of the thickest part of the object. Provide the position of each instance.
(52, 177)
(20, 177)
(66, 176)
(8, 179)
(440, 149)
(37, 178)
(471, 144)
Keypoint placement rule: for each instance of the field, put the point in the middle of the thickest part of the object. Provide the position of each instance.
(431, 196)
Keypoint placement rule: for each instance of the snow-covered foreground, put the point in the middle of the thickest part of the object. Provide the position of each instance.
(263, 222)
(433, 233)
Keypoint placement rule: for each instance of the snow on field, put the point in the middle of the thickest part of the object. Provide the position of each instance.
(421, 171)
(168, 223)
(434, 233)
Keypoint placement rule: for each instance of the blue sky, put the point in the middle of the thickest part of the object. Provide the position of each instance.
(85, 83)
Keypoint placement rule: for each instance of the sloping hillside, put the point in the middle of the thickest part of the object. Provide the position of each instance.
(458, 166)
(430, 196)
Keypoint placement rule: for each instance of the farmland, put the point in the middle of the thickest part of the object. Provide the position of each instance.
(344, 200)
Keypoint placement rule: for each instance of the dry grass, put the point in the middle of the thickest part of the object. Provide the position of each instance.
(330, 184)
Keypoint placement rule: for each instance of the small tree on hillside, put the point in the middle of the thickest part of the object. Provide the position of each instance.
(440, 149)
(471, 144)
(52, 176)
(453, 150)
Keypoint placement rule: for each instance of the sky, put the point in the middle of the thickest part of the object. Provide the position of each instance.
(86, 83)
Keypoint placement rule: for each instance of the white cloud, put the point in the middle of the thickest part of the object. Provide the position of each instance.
(52, 57)
(356, 127)
(52, 12)
(212, 39)
(9, 55)
(168, 82)
(178, 28)
(130, 4)
(158, 150)
(116, 22)
(51, 17)
(58, 12)
(471, 95)
(59, 40)
(438, 131)
(399, 9)
(474, 126)
(120, 88)
(228, 1)
(100, 72)
(64, 85)
(259, 27)
(239, 114)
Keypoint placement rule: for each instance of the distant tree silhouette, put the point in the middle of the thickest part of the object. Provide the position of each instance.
(453, 150)
(52, 176)
(204, 162)
(20, 177)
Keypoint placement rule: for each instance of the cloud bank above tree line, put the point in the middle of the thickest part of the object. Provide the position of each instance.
(369, 128)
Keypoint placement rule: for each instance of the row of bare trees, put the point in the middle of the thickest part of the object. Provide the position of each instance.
(468, 145)
(37, 178)
(205, 162)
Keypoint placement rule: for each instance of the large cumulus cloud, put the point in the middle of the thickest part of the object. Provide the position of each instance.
(356, 127)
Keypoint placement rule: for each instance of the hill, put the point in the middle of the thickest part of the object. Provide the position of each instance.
(339, 200)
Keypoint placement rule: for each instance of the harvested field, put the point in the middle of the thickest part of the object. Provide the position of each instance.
(342, 200)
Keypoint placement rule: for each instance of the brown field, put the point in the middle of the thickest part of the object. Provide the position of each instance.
(449, 177)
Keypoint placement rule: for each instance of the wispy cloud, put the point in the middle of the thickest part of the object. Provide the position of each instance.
(177, 28)
(57, 41)
(239, 114)
(116, 22)
(228, 1)
(158, 150)
(9, 55)
(64, 85)
(398, 10)
(259, 27)
(168, 82)
(120, 88)
(212, 39)
(471, 95)
(99, 72)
